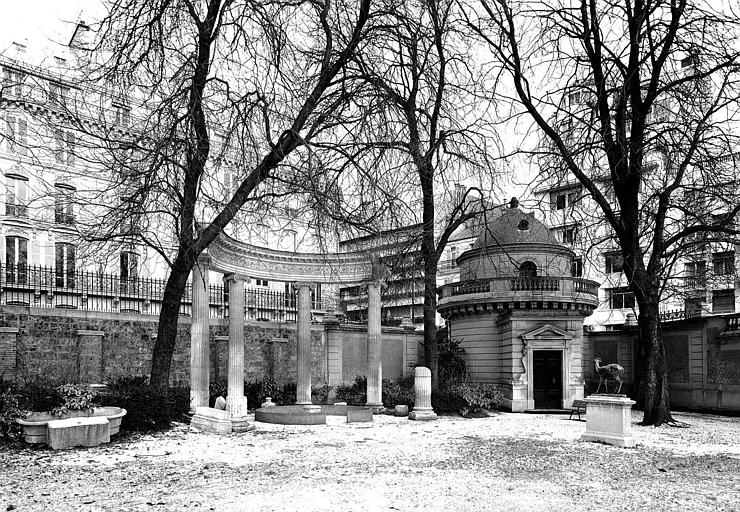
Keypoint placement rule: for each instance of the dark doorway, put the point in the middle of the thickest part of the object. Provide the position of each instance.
(548, 379)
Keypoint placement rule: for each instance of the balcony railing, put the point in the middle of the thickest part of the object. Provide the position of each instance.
(536, 284)
(508, 286)
(16, 210)
(47, 287)
(64, 218)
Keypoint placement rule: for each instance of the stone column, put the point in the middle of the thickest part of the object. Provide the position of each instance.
(236, 402)
(303, 349)
(374, 345)
(199, 345)
(423, 395)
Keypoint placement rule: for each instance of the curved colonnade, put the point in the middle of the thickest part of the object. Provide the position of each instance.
(239, 262)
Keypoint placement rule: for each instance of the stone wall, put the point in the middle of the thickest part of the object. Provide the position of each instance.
(82, 346)
(702, 354)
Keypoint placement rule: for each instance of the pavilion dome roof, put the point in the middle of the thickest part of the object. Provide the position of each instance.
(515, 226)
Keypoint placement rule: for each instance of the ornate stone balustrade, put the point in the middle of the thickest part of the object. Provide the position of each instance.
(500, 292)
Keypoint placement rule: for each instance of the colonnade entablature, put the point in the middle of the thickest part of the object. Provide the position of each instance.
(230, 256)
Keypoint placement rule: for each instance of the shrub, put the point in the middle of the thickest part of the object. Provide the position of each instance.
(77, 397)
(144, 412)
(320, 394)
(217, 389)
(40, 394)
(452, 366)
(398, 391)
(355, 393)
(467, 399)
(9, 410)
(257, 390)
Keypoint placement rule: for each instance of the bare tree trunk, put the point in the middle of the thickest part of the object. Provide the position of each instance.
(431, 350)
(167, 329)
(429, 255)
(657, 402)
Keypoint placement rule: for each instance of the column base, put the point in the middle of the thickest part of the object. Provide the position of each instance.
(237, 406)
(423, 414)
(241, 425)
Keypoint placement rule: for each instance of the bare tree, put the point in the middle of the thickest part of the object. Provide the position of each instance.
(223, 89)
(636, 101)
(430, 117)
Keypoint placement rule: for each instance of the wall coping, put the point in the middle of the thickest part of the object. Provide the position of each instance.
(86, 332)
(9, 330)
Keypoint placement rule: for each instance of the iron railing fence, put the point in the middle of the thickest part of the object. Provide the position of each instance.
(49, 287)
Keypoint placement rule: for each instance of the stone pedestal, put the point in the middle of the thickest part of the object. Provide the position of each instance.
(423, 395)
(609, 420)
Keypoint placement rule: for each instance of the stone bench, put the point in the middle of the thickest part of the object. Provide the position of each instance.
(578, 407)
(83, 431)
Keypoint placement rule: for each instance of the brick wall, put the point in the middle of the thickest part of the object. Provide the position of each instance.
(75, 346)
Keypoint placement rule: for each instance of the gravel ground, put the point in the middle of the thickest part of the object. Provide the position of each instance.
(513, 462)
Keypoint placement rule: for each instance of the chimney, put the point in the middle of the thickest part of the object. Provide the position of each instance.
(80, 36)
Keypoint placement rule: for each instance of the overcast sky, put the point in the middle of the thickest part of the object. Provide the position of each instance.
(40, 21)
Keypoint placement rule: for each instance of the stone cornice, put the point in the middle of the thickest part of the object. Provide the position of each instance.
(232, 256)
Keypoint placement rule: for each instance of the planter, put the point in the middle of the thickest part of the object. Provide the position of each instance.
(34, 425)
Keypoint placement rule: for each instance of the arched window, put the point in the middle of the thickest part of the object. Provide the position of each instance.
(528, 269)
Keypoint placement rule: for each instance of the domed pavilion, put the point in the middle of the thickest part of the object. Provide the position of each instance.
(518, 313)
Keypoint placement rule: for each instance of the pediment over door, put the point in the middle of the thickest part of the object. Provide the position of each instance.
(546, 333)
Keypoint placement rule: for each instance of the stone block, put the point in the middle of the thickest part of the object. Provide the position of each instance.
(85, 431)
(211, 420)
(402, 410)
(359, 415)
(609, 420)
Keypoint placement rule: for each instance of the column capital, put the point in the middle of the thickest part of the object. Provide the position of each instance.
(233, 276)
(203, 260)
(301, 284)
(380, 283)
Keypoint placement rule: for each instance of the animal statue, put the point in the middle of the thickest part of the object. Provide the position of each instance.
(607, 371)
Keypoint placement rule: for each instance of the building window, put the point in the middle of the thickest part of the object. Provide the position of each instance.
(64, 150)
(569, 235)
(122, 115)
(696, 274)
(16, 199)
(16, 135)
(63, 205)
(262, 282)
(724, 263)
(723, 301)
(576, 267)
(16, 260)
(64, 265)
(58, 93)
(620, 298)
(528, 269)
(129, 271)
(613, 262)
(13, 81)
(560, 201)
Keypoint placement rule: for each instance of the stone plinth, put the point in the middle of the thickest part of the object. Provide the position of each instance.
(84, 431)
(609, 420)
(212, 420)
(423, 395)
